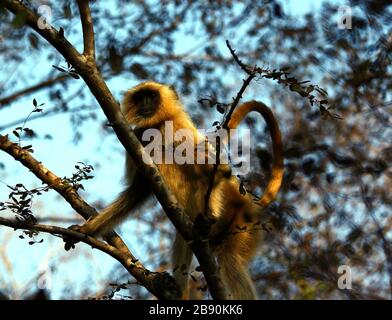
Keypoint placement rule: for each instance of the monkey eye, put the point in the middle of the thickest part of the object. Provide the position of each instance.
(139, 96)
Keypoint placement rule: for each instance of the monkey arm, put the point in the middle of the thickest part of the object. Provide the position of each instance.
(118, 210)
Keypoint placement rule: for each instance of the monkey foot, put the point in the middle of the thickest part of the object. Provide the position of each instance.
(69, 243)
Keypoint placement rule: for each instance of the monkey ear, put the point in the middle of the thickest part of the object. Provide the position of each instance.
(174, 90)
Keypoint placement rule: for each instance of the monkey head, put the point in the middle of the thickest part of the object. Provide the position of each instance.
(150, 103)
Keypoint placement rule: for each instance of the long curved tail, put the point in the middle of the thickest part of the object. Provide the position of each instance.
(276, 177)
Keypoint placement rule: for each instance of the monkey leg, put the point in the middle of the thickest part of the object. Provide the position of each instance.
(119, 209)
(233, 258)
(181, 259)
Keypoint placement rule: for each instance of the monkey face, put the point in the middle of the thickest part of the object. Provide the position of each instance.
(150, 104)
(146, 101)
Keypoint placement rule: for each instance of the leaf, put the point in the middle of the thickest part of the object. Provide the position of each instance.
(322, 91)
(74, 75)
(48, 136)
(303, 93)
(295, 87)
(35, 102)
(16, 133)
(220, 108)
(309, 89)
(29, 132)
(59, 68)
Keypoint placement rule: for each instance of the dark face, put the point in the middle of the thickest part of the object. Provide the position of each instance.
(146, 101)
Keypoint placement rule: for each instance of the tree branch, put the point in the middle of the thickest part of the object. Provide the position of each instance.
(99, 89)
(236, 100)
(162, 285)
(43, 84)
(88, 29)
(244, 67)
(251, 75)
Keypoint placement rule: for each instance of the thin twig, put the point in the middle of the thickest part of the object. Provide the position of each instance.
(88, 29)
(44, 84)
(237, 99)
(212, 177)
(244, 67)
(246, 82)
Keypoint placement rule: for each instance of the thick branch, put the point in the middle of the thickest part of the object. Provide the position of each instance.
(44, 84)
(88, 29)
(98, 87)
(161, 285)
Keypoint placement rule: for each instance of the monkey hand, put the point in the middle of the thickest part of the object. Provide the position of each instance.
(69, 243)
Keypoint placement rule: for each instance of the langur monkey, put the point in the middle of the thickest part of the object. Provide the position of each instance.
(149, 105)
